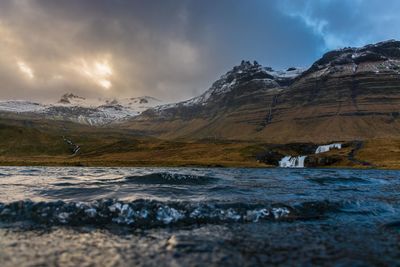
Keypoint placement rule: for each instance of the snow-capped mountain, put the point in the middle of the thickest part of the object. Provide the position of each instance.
(87, 111)
(374, 58)
(245, 73)
(100, 111)
(347, 94)
(138, 104)
(353, 87)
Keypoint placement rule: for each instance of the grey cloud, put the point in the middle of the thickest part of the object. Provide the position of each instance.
(171, 49)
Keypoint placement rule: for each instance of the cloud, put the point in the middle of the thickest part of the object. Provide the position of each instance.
(170, 49)
(25, 69)
(347, 23)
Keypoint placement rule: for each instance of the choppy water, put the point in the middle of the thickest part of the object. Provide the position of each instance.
(199, 217)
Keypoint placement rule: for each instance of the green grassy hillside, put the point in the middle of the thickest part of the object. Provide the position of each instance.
(40, 142)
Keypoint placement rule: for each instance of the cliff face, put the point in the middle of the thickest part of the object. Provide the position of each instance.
(348, 94)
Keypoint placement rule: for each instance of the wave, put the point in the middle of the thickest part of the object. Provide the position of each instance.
(151, 213)
(339, 180)
(170, 178)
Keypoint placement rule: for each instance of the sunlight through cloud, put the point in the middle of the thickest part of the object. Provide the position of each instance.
(25, 69)
(98, 71)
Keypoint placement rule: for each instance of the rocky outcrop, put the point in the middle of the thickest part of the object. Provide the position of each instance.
(324, 161)
(68, 98)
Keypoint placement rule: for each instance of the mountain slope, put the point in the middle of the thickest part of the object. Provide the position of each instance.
(348, 94)
(238, 100)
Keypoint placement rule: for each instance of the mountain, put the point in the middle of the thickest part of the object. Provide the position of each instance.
(348, 94)
(245, 78)
(238, 100)
(251, 116)
(70, 107)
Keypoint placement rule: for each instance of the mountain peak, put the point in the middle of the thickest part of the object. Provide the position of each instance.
(243, 77)
(373, 52)
(68, 97)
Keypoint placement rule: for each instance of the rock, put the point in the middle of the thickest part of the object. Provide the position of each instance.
(322, 161)
(270, 157)
(171, 243)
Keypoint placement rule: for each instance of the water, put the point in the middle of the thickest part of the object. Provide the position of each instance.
(198, 217)
(326, 148)
(292, 162)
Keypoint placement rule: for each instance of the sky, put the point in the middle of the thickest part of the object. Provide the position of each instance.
(170, 49)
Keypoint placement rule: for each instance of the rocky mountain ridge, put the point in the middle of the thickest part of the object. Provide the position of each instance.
(245, 78)
(348, 94)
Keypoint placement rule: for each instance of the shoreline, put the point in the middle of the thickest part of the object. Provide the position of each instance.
(373, 154)
(223, 165)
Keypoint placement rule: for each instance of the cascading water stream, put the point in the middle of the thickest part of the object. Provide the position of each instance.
(292, 162)
(326, 148)
(298, 161)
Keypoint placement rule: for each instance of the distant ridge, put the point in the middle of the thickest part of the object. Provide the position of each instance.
(71, 107)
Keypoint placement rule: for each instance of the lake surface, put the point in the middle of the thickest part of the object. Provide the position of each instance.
(198, 217)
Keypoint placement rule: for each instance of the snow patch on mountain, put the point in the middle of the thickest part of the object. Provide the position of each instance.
(20, 106)
(86, 111)
(379, 57)
(290, 73)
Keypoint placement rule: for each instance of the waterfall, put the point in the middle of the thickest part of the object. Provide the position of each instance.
(326, 148)
(292, 162)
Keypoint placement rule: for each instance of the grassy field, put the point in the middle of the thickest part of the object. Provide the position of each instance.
(382, 153)
(42, 143)
(148, 153)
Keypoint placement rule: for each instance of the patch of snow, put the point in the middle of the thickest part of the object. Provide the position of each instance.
(289, 73)
(20, 106)
(359, 54)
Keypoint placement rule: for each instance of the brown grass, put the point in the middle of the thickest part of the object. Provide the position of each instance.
(154, 153)
(382, 153)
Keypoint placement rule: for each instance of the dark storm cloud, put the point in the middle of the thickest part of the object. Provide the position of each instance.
(171, 49)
